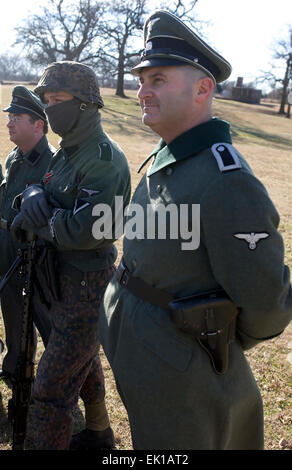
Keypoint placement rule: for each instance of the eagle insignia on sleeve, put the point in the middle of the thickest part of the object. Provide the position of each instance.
(251, 238)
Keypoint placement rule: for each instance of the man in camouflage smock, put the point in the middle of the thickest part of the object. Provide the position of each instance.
(88, 169)
(170, 358)
(24, 165)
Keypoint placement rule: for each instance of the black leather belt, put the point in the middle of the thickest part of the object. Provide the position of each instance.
(209, 319)
(141, 289)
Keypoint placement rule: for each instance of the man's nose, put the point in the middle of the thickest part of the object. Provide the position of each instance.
(144, 92)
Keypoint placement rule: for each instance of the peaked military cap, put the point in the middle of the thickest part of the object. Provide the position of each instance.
(26, 101)
(168, 41)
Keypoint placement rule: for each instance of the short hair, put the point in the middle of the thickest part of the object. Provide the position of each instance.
(33, 118)
(195, 72)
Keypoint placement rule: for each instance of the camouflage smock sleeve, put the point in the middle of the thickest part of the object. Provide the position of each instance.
(246, 253)
(72, 228)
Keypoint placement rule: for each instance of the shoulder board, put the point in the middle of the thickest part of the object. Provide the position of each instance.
(227, 158)
(105, 151)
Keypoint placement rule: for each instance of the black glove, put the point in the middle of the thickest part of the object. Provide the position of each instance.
(17, 229)
(35, 208)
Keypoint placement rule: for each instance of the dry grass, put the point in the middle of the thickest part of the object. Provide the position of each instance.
(265, 139)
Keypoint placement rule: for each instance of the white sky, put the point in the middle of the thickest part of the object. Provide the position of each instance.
(241, 30)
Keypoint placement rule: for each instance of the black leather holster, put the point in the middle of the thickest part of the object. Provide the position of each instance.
(210, 318)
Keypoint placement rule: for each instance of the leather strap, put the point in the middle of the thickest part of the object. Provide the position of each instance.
(141, 289)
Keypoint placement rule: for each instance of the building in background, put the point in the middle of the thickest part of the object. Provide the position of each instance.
(245, 94)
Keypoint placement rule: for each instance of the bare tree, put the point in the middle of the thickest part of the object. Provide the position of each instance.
(182, 9)
(14, 67)
(122, 23)
(104, 34)
(62, 31)
(122, 27)
(283, 55)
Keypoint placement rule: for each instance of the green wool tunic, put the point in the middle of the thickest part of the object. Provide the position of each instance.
(20, 170)
(79, 178)
(174, 398)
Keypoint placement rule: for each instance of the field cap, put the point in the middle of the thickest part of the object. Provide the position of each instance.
(168, 41)
(26, 101)
(73, 77)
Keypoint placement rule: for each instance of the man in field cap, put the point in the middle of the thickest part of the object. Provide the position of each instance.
(87, 170)
(25, 164)
(184, 305)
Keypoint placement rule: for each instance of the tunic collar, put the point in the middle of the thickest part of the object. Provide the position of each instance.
(33, 156)
(189, 143)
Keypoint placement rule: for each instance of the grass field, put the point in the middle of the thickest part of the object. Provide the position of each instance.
(265, 139)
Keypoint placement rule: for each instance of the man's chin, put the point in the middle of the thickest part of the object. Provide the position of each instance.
(148, 120)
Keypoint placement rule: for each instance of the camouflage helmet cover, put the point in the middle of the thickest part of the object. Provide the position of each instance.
(73, 77)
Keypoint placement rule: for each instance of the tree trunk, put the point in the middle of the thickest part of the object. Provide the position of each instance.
(288, 111)
(121, 69)
(120, 82)
(285, 87)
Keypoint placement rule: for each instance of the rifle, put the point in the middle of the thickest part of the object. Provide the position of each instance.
(24, 373)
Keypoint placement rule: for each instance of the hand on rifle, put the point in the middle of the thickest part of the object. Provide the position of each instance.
(35, 207)
(19, 228)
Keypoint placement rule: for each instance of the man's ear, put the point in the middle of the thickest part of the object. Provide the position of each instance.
(205, 87)
(39, 125)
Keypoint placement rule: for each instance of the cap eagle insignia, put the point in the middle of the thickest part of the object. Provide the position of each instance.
(251, 238)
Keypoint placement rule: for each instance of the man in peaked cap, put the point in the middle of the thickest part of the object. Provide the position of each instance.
(178, 315)
(25, 164)
(87, 170)
(169, 42)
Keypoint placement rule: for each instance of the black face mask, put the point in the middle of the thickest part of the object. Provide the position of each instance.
(64, 116)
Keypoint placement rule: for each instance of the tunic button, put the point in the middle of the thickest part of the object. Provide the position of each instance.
(169, 171)
(159, 188)
(134, 263)
(83, 283)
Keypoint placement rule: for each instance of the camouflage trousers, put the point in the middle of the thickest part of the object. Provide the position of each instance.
(70, 364)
